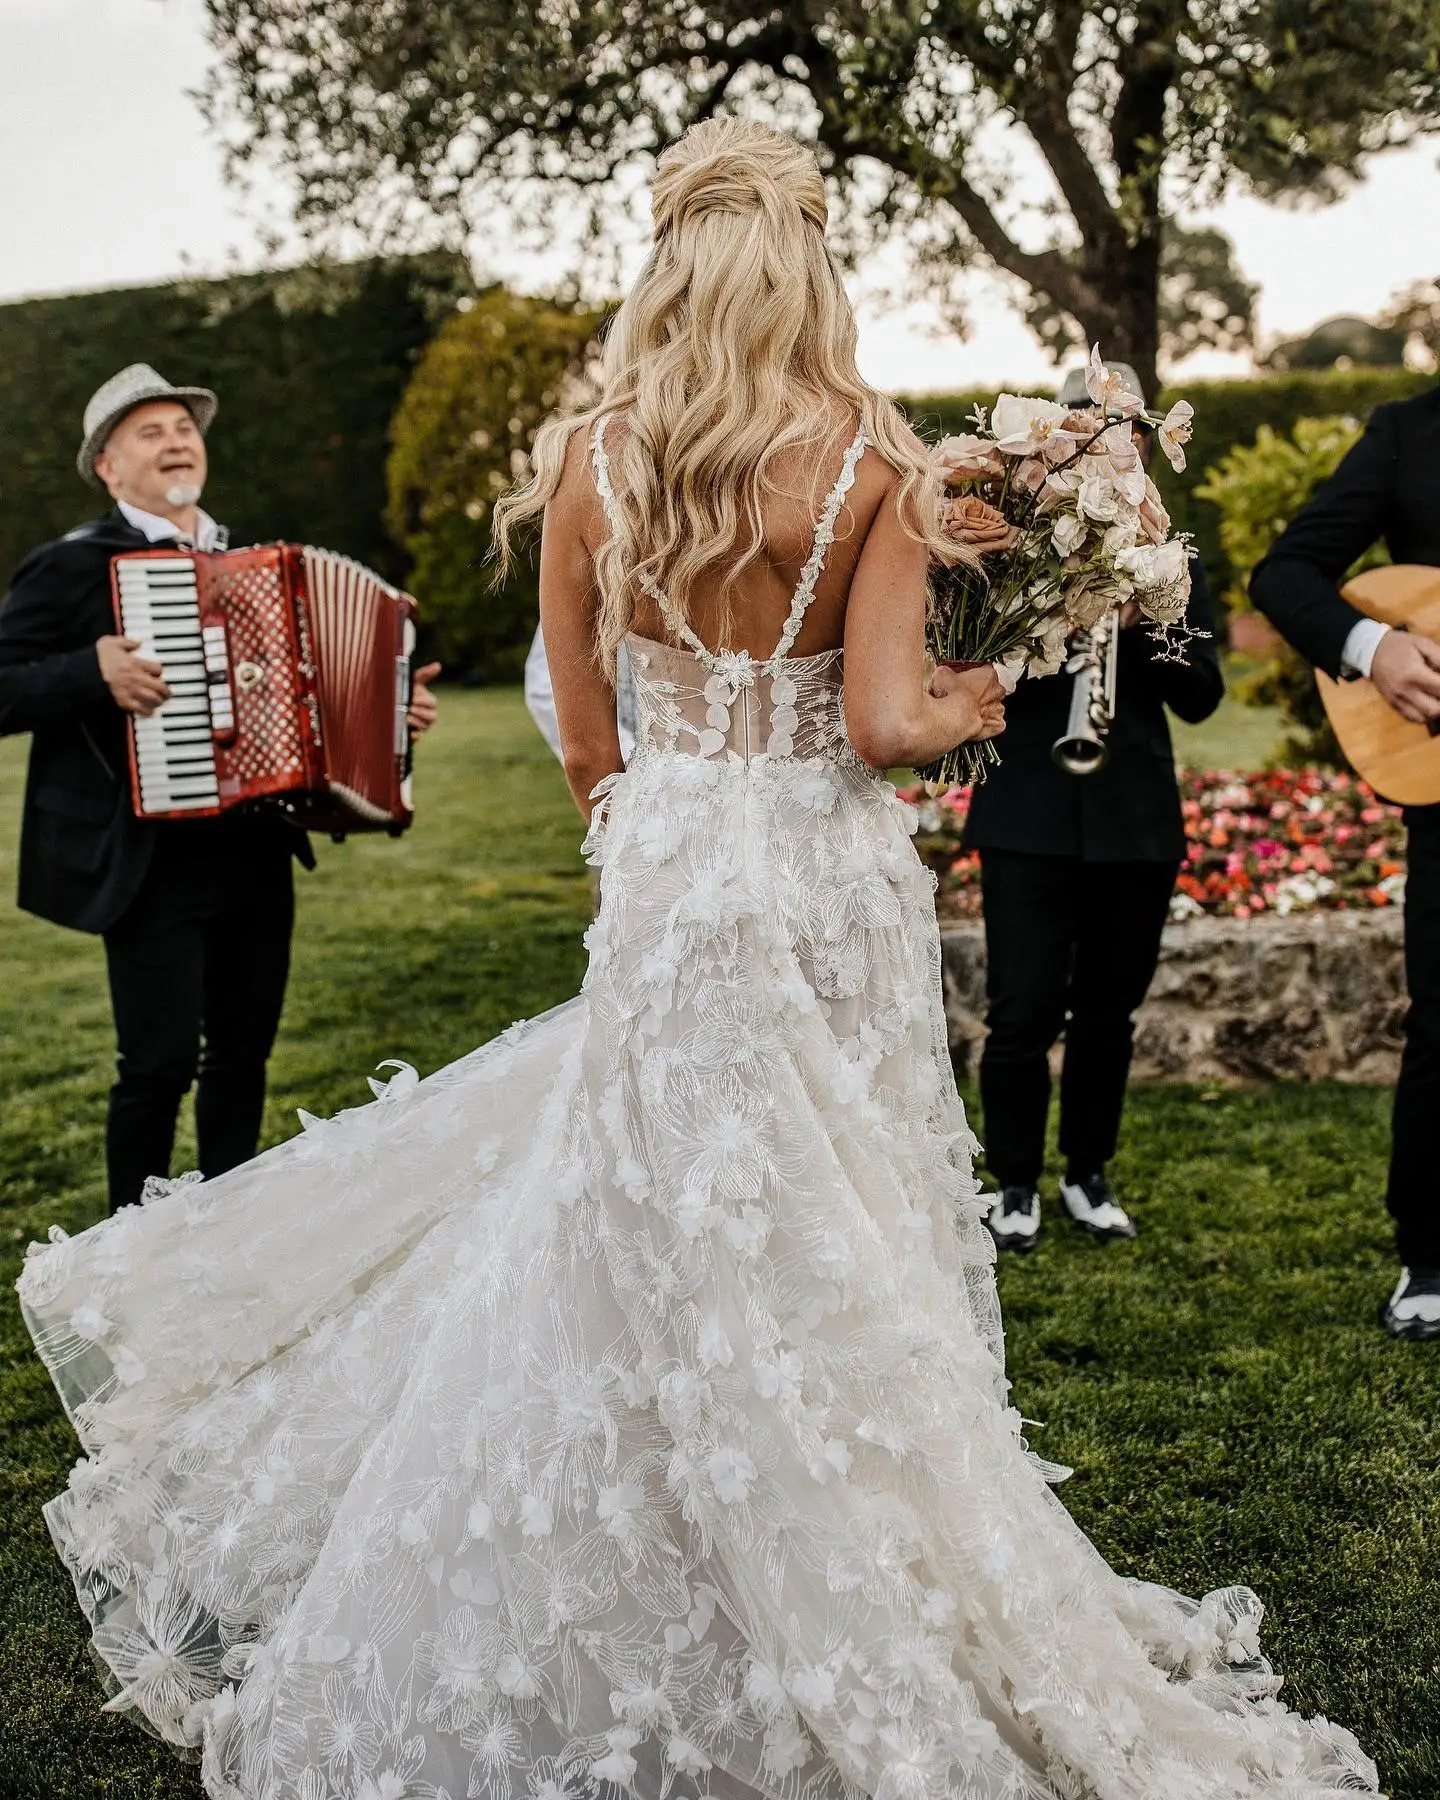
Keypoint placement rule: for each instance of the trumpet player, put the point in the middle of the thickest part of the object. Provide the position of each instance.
(1077, 870)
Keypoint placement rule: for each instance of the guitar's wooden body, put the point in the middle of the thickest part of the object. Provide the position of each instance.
(1398, 759)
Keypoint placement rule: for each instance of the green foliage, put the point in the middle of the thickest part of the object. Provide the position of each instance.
(309, 366)
(1231, 412)
(463, 430)
(482, 102)
(1221, 1388)
(1257, 489)
(1205, 301)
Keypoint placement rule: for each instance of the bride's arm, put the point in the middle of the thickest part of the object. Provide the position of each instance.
(892, 717)
(569, 603)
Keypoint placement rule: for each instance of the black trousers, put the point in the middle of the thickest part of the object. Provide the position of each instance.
(1070, 946)
(1413, 1195)
(197, 968)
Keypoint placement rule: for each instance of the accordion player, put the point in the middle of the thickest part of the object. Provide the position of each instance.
(289, 671)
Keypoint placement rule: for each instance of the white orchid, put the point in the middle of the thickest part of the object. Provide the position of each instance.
(1026, 426)
(1174, 433)
(1106, 387)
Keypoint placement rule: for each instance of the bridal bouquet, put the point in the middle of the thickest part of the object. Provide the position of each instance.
(1059, 526)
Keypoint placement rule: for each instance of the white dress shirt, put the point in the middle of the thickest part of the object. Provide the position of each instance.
(157, 528)
(1359, 652)
(540, 697)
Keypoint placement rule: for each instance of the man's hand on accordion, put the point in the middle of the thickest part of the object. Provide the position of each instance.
(134, 682)
(421, 715)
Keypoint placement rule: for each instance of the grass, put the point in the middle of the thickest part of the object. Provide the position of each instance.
(1235, 736)
(1220, 1386)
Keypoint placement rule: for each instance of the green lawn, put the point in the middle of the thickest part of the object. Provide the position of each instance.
(1235, 736)
(1220, 1385)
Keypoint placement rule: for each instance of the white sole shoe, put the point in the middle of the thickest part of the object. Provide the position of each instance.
(1109, 1221)
(1017, 1229)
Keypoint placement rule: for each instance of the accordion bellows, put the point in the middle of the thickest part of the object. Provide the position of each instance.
(289, 677)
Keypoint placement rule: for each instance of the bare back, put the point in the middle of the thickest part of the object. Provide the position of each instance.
(867, 600)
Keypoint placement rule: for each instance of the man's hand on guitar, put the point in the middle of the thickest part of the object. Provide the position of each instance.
(1406, 673)
(134, 683)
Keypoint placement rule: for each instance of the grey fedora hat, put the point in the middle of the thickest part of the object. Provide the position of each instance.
(121, 394)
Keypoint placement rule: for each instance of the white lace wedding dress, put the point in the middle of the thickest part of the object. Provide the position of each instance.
(621, 1410)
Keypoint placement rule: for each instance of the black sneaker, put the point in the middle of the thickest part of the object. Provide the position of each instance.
(1014, 1219)
(1092, 1203)
(1413, 1310)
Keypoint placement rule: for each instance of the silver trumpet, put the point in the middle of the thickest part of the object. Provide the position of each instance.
(1093, 658)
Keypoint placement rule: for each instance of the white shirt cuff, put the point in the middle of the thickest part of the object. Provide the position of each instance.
(1359, 651)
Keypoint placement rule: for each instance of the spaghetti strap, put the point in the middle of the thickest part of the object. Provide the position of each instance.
(819, 548)
(804, 588)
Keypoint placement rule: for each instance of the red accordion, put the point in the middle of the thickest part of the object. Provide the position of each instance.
(289, 678)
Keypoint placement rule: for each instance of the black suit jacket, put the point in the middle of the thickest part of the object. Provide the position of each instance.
(1129, 811)
(83, 853)
(1387, 487)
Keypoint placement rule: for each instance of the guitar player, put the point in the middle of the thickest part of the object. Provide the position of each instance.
(196, 914)
(1388, 487)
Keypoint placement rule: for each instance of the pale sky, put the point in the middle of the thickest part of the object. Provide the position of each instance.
(110, 179)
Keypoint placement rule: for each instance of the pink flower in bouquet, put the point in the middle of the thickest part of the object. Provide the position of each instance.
(1087, 600)
(1116, 443)
(977, 525)
(966, 458)
(1154, 520)
(1069, 533)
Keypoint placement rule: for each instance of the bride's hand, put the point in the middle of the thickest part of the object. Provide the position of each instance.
(985, 716)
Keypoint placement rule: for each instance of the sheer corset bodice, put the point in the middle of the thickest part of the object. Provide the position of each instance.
(742, 709)
(727, 704)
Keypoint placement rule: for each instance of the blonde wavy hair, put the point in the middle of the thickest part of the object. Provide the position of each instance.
(735, 346)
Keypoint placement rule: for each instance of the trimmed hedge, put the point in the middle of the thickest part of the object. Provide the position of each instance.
(1226, 413)
(309, 367)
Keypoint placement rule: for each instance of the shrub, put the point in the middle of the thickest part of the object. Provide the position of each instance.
(461, 435)
(1257, 489)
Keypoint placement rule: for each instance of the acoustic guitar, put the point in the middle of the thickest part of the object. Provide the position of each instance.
(1401, 761)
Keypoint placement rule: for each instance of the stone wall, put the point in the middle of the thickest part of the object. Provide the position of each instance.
(1313, 996)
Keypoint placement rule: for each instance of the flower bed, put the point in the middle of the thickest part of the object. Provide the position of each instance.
(1284, 841)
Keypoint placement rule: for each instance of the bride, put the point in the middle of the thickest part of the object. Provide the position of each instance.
(622, 1411)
